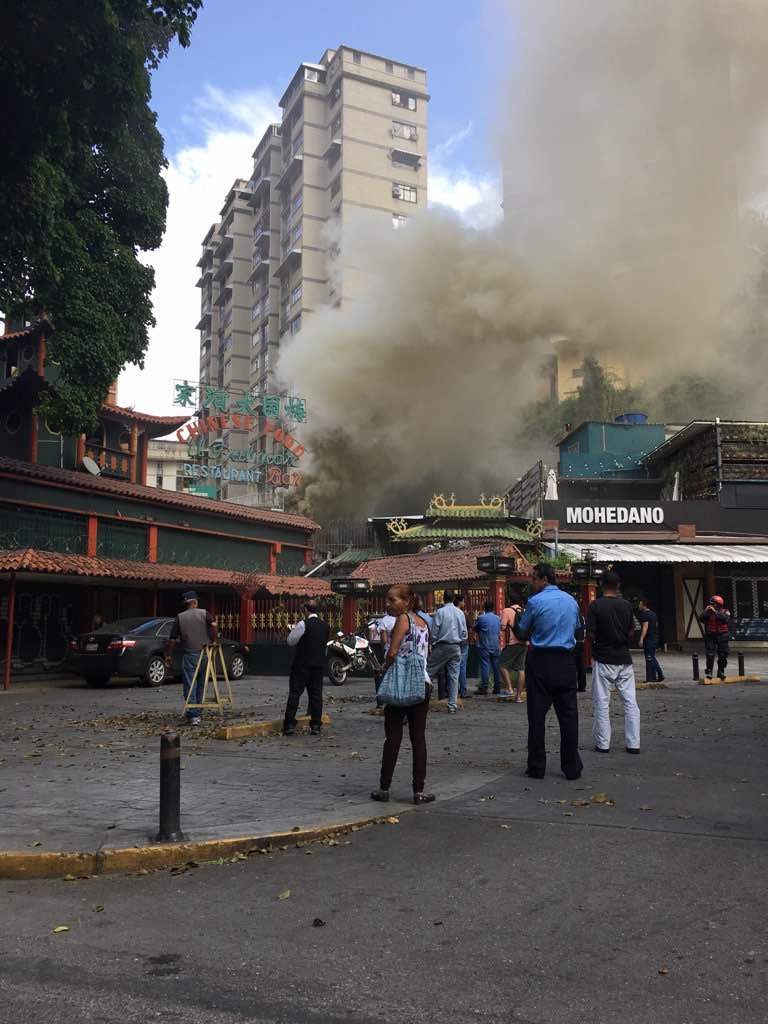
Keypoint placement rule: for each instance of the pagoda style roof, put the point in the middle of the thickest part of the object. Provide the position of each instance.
(425, 533)
(154, 425)
(444, 520)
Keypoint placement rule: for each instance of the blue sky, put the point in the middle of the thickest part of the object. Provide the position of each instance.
(215, 99)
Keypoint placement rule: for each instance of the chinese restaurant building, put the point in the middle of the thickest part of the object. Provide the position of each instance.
(82, 534)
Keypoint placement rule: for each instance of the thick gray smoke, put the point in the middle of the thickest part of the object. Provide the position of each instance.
(634, 147)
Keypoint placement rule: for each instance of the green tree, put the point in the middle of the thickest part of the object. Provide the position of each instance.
(81, 188)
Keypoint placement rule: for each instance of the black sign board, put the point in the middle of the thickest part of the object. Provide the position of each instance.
(647, 516)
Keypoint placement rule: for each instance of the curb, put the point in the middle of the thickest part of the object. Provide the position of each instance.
(268, 728)
(730, 680)
(22, 865)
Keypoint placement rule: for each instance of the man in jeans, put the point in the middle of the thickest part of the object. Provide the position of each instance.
(610, 625)
(194, 628)
(448, 632)
(649, 641)
(488, 629)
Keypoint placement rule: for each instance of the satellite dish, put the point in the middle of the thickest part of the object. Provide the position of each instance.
(90, 466)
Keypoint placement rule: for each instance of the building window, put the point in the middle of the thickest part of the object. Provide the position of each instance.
(296, 294)
(255, 310)
(298, 231)
(405, 193)
(336, 185)
(398, 221)
(284, 308)
(335, 94)
(356, 57)
(159, 478)
(402, 130)
(389, 66)
(577, 371)
(298, 144)
(298, 201)
(403, 99)
(310, 75)
(296, 324)
(411, 72)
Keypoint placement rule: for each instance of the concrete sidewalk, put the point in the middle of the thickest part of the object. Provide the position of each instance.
(79, 768)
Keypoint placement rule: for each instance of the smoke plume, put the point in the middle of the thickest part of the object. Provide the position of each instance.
(633, 150)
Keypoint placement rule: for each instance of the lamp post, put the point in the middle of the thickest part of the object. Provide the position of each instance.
(498, 567)
(588, 572)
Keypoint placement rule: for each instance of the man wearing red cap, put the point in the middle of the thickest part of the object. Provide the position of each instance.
(716, 620)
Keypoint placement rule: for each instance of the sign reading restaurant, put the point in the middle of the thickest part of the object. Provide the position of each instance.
(587, 515)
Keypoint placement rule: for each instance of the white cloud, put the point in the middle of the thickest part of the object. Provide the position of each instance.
(476, 198)
(198, 177)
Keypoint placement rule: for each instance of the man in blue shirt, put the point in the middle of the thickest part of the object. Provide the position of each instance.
(448, 632)
(488, 629)
(550, 621)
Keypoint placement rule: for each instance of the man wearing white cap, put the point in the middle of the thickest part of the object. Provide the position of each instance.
(195, 628)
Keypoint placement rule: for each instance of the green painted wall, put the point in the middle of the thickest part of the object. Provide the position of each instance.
(289, 561)
(178, 547)
(101, 504)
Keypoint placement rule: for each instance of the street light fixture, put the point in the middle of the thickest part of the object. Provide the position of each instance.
(347, 585)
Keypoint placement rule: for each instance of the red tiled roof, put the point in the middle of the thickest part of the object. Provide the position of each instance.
(29, 331)
(139, 492)
(123, 413)
(59, 564)
(430, 567)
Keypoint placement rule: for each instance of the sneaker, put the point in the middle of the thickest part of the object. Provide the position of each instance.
(381, 795)
(602, 750)
(707, 675)
(315, 730)
(195, 720)
(289, 730)
(452, 711)
(633, 750)
(721, 676)
(481, 693)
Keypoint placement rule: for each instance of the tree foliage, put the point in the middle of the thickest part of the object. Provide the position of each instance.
(81, 188)
(601, 397)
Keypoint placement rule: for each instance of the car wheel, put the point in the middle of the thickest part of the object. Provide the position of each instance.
(155, 672)
(237, 667)
(337, 672)
(97, 682)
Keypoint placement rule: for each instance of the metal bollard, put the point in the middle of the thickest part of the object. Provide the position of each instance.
(170, 789)
(741, 665)
(695, 659)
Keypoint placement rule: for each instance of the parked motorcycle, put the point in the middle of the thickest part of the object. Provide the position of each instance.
(348, 652)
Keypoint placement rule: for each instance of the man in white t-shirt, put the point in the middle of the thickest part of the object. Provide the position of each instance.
(386, 625)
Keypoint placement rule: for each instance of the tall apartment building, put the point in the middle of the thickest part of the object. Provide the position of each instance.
(351, 147)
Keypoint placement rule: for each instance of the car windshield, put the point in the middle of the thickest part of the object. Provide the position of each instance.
(137, 627)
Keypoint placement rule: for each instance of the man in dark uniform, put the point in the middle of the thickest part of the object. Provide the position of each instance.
(550, 621)
(310, 638)
(716, 620)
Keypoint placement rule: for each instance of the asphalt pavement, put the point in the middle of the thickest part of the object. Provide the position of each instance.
(633, 895)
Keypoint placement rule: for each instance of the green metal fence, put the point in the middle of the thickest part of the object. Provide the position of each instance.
(41, 529)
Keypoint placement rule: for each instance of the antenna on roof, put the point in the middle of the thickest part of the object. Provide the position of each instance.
(90, 466)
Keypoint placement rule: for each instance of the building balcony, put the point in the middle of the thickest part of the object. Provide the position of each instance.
(205, 278)
(225, 246)
(206, 257)
(206, 316)
(261, 241)
(291, 172)
(112, 462)
(225, 269)
(224, 295)
(261, 186)
(290, 261)
(259, 266)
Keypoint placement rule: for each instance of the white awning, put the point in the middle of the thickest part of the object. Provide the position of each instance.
(734, 553)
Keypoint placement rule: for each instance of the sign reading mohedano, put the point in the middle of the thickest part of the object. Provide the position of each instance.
(586, 515)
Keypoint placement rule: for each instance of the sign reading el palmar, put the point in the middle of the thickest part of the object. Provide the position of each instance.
(225, 400)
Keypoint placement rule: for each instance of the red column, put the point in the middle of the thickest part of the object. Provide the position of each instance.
(80, 450)
(246, 629)
(307, 556)
(33, 430)
(143, 456)
(274, 551)
(9, 632)
(154, 601)
(93, 531)
(152, 544)
(429, 601)
(349, 613)
(498, 594)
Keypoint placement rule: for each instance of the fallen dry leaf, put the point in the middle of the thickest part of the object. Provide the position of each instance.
(646, 807)
(60, 928)
(318, 922)
(98, 908)
(581, 803)
(285, 895)
(392, 820)
(505, 826)
(663, 970)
